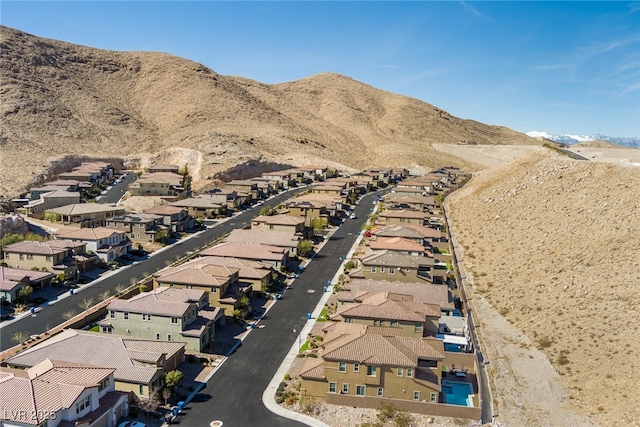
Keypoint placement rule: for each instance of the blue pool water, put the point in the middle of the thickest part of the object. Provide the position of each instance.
(457, 393)
(453, 348)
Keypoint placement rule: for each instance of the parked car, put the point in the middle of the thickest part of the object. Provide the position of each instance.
(352, 216)
(132, 424)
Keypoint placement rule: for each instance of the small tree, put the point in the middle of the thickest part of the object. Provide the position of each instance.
(265, 210)
(304, 247)
(318, 225)
(86, 304)
(244, 301)
(20, 337)
(25, 293)
(172, 378)
(69, 314)
(104, 295)
(151, 404)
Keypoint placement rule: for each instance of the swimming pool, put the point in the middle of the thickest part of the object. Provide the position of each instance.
(457, 393)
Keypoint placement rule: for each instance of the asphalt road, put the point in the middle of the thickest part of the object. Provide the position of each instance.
(117, 191)
(51, 315)
(234, 393)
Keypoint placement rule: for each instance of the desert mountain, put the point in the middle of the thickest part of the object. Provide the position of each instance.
(61, 99)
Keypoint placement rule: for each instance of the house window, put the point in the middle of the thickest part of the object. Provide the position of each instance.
(434, 397)
(345, 388)
(394, 323)
(416, 395)
(409, 373)
(146, 317)
(342, 367)
(356, 367)
(380, 392)
(348, 320)
(169, 337)
(21, 257)
(141, 389)
(126, 316)
(141, 225)
(361, 390)
(158, 335)
(106, 330)
(378, 322)
(112, 314)
(174, 320)
(417, 327)
(374, 269)
(333, 387)
(392, 270)
(381, 269)
(82, 405)
(400, 372)
(48, 257)
(372, 370)
(133, 235)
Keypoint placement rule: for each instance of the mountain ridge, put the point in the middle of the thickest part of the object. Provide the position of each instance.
(570, 139)
(62, 99)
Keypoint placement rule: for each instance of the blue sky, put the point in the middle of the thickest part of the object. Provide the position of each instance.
(559, 67)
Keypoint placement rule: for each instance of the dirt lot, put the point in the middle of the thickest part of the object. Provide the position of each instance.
(552, 249)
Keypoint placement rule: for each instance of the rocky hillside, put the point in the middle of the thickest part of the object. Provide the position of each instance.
(553, 245)
(62, 99)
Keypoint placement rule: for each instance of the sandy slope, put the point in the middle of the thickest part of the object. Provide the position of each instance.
(553, 245)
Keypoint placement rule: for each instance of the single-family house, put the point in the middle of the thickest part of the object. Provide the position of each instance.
(256, 274)
(427, 293)
(107, 243)
(395, 266)
(164, 168)
(162, 184)
(175, 218)
(202, 206)
(61, 257)
(281, 239)
(56, 393)
(140, 365)
(165, 313)
(370, 365)
(403, 216)
(275, 256)
(221, 283)
(140, 228)
(414, 319)
(12, 280)
(84, 214)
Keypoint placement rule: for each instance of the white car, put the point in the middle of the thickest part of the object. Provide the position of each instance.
(352, 216)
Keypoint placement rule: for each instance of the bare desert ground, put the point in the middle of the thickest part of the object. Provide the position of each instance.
(551, 252)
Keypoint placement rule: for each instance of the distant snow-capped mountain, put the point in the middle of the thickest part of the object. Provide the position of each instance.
(625, 141)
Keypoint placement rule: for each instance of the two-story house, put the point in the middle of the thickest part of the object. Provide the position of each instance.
(395, 266)
(275, 256)
(164, 168)
(309, 210)
(246, 186)
(166, 313)
(160, 184)
(282, 222)
(202, 206)
(357, 290)
(61, 257)
(403, 216)
(256, 274)
(221, 283)
(397, 244)
(60, 393)
(140, 365)
(177, 219)
(412, 318)
(371, 365)
(226, 197)
(108, 244)
(139, 227)
(50, 200)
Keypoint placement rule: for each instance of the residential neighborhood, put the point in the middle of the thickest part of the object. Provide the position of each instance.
(392, 330)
